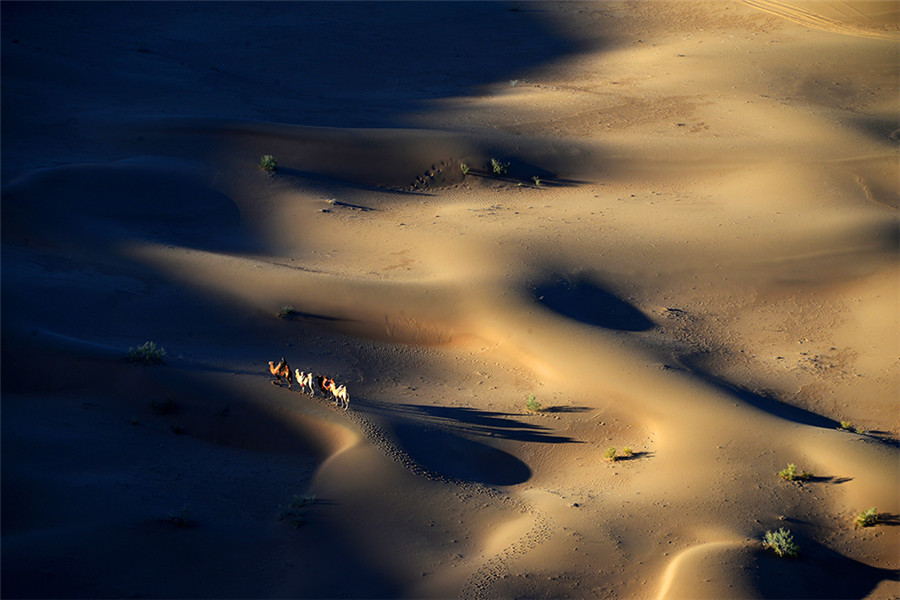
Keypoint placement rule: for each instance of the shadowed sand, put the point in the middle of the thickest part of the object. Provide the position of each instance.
(693, 254)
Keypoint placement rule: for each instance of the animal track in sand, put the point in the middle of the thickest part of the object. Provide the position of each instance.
(441, 174)
(478, 584)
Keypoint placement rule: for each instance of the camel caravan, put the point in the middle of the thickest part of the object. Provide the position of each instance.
(308, 383)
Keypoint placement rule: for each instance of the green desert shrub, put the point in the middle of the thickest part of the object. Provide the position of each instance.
(532, 404)
(181, 519)
(164, 407)
(147, 353)
(846, 425)
(294, 512)
(611, 454)
(790, 473)
(627, 451)
(867, 518)
(285, 311)
(782, 543)
(268, 163)
(537, 181)
(464, 168)
(499, 168)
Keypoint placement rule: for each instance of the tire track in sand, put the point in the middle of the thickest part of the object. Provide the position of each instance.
(803, 15)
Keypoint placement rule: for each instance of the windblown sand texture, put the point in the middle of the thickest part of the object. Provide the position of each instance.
(705, 270)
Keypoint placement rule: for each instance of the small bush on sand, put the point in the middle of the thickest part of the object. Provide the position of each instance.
(532, 404)
(181, 519)
(537, 181)
(293, 512)
(285, 311)
(499, 168)
(611, 454)
(164, 407)
(147, 353)
(464, 168)
(790, 473)
(867, 518)
(846, 426)
(782, 543)
(627, 451)
(268, 163)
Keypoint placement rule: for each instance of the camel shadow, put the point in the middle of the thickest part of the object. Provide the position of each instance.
(451, 441)
(473, 421)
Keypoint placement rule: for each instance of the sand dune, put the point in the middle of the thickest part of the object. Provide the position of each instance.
(692, 253)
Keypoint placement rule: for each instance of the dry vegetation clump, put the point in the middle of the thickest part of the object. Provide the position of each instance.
(294, 512)
(790, 473)
(867, 518)
(147, 353)
(268, 163)
(181, 519)
(782, 543)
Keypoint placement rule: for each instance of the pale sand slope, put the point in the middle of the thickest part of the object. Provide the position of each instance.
(707, 273)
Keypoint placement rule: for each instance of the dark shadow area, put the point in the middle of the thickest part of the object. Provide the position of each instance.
(885, 437)
(795, 521)
(340, 204)
(441, 451)
(440, 439)
(834, 480)
(473, 421)
(159, 201)
(818, 573)
(772, 406)
(313, 318)
(567, 409)
(582, 298)
(169, 483)
(341, 64)
(878, 128)
(634, 456)
(889, 519)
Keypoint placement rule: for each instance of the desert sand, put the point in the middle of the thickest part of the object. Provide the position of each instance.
(693, 254)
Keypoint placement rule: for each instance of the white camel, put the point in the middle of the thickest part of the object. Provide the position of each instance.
(341, 397)
(305, 381)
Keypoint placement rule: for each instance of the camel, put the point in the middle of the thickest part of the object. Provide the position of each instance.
(341, 397)
(280, 371)
(305, 380)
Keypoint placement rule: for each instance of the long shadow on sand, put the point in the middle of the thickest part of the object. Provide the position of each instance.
(819, 572)
(439, 439)
(481, 422)
(583, 298)
(767, 404)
